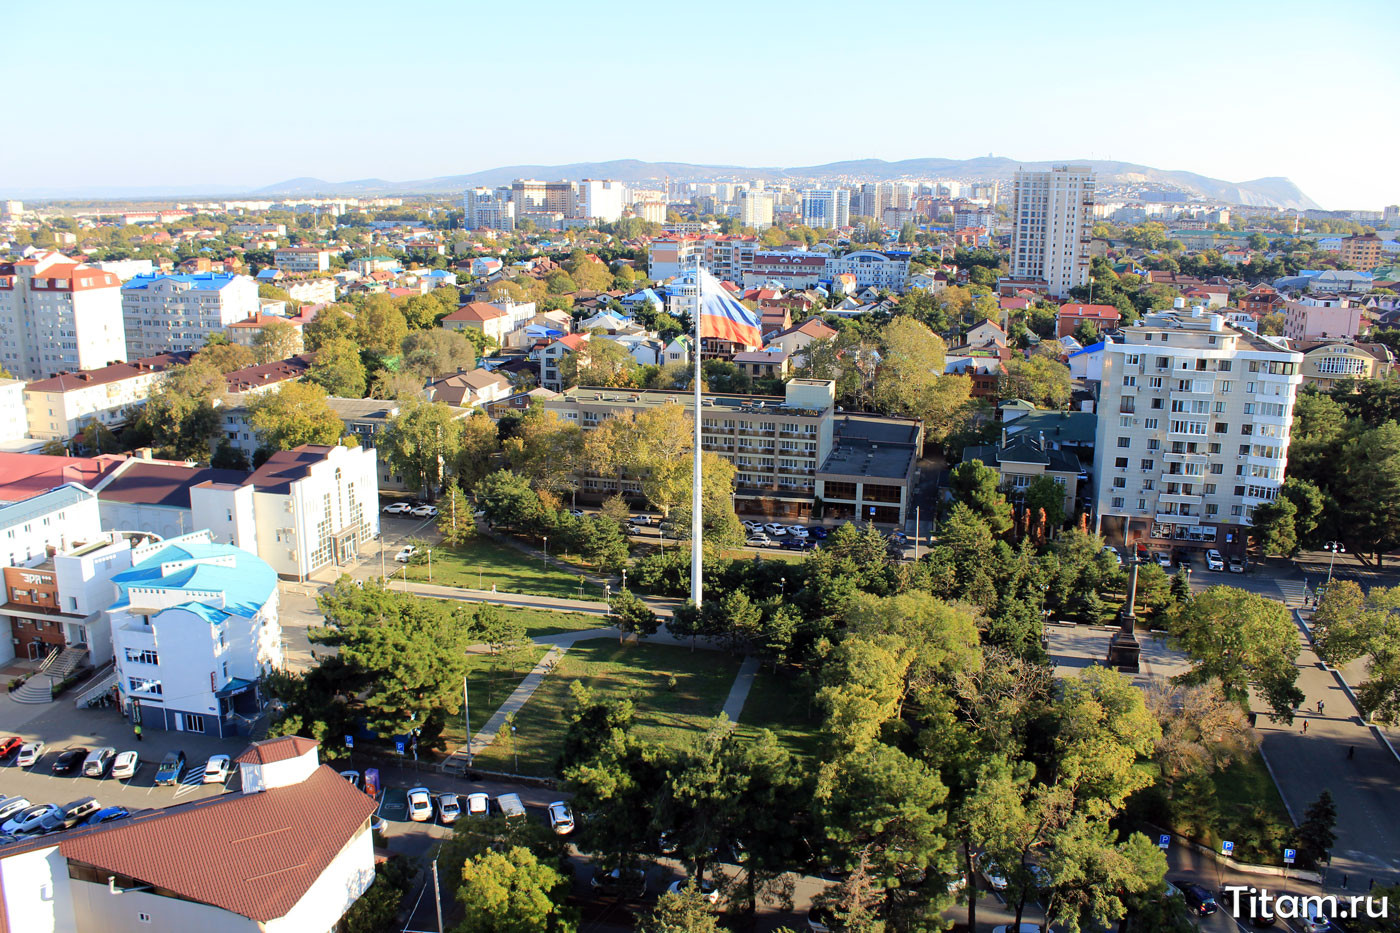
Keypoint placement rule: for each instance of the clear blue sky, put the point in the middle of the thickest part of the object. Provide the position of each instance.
(185, 93)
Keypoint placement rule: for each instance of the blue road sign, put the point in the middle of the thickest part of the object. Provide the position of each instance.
(398, 745)
(1289, 856)
(1227, 848)
(349, 741)
(1163, 841)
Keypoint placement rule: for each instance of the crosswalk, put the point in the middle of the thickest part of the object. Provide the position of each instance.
(1292, 592)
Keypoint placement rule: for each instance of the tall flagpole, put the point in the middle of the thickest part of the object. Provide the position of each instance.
(696, 519)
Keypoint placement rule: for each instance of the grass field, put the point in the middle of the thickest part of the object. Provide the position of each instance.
(540, 623)
(489, 681)
(664, 715)
(482, 563)
(778, 703)
(1239, 803)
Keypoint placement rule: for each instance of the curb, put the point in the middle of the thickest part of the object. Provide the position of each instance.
(1244, 868)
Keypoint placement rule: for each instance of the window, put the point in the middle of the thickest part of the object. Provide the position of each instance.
(194, 723)
(1124, 443)
(1244, 449)
(1150, 424)
(1117, 502)
(1154, 444)
(1142, 505)
(1217, 468)
(1121, 463)
(1236, 510)
(1224, 385)
(1130, 381)
(1222, 427)
(142, 656)
(1127, 404)
(1120, 483)
(1156, 404)
(143, 686)
(144, 918)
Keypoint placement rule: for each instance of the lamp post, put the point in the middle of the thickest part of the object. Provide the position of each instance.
(545, 559)
(514, 749)
(430, 565)
(1336, 548)
(782, 585)
(624, 579)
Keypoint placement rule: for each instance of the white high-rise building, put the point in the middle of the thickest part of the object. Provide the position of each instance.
(601, 200)
(488, 209)
(167, 313)
(756, 209)
(828, 207)
(1053, 224)
(57, 315)
(1193, 434)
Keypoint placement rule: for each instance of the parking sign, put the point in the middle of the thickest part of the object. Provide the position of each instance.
(398, 745)
(349, 741)
(1289, 855)
(1164, 841)
(1227, 848)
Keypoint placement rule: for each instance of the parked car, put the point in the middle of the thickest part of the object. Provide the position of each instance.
(405, 553)
(424, 511)
(760, 539)
(818, 532)
(397, 508)
(98, 760)
(79, 810)
(775, 529)
(478, 804)
(420, 805)
(561, 818)
(172, 767)
(707, 889)
(633, 529)
(1236, 565)
(797, 544)
(750, 525)
(1023, 928)
(797, 531)
(996, 879)
(1201, 902)
(1315, 922)
(1214, 561)
(69, 760)
(27, 820)
(576, 513)
(29, 753)
(448, 809)
(641, 520)
(1163, 559)
(10, 746)
(630, 882)
(1113, 552)
(510, 806)
(107, 815)
(216, 769)
(126, 764)
(12, 805)
(1185, 563)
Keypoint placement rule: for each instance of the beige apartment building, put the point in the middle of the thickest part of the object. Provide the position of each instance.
(792, 452)
(1193, 433)
(59, 407)
(1325, 362)
(1051, 227)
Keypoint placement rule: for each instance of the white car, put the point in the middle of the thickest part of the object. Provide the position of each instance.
(1163, 559)
(1236, 565)
(405, 553)
(641, 519)
(993, 873)
(29, 753)
(797, 531)
(759, 539)
(1113, 552)
(707, 889)
(775, 529)
(478, 805)
(424, 511)
(751, 525)
(12, 805)
(397, 508)
(576, 513)
(353, 779)
(561, 818)
(1214, 561)
(449, 808)
(420, 805)
(27, 821)
(216, 769)
(125, 765)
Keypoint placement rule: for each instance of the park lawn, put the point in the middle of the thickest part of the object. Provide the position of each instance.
(638, 672)
(482, 563)
(542, 623)
(1243, 806)
(778, 703)
(490, 679)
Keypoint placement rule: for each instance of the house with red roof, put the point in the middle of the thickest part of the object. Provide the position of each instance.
(1103, 317)
(552, 353)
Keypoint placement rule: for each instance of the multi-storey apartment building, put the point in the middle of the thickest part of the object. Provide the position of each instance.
(727, 257)
(1327, 362)
(61, 406)
(1362, 251)
(601, 200)
(167, 313)
(827, 208)
(791, 269)
(871, 269)
(1321, 318)
(489, 209)
(1193, 434)
(302, 259)
(1051, 227)
(790, 451)
(57, 315)
(755, 209)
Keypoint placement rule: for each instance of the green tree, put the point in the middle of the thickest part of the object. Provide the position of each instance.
(977, 486)
(1350, 625)
(1039, 380)
(1240, 638)
(276, 340)
(547, 449)
(380, 326)
(1367, 489)
(631, 615)
(295, 414)
(377, 910)
(420, 441)
(513, 892)
(337, 320)
(436, 352)
(224, 356)
(180, 416)
(338, 368)
(598, 362)
(684, 911)
(455, 522)
(1274, 527)
(481, 442)
(509, 502)
(1316, 835)
(1046, 493)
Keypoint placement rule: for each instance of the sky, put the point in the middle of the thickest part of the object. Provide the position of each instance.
(151, 93)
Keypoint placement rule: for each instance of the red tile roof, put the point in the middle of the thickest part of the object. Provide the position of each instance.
(255, 855)
(280, 749)
(1103, 312)
(109, 374)
(476, 312)
(23, 476)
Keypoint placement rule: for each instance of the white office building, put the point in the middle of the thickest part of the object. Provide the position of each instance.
(1052, 226)
(601, 200)
(57, 315)
(167, 313)
(872, 270)
(194, 630)
(1193, 432)
(826, 208)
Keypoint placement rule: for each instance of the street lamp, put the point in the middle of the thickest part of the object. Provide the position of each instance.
(430, 565)
(514, 749)
(624, 579)
(1336, 548)
(782, 585)
(546, 549)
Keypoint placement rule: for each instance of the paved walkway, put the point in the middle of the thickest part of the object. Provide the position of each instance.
(743, 683)
(662, 607)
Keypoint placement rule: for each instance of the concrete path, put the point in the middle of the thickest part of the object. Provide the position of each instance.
(518, 698)
(662, 607)
(743, 683)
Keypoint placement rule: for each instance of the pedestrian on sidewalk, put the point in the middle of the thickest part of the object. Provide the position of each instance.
(1319, 707)
(1305, 727)
(1351, 752)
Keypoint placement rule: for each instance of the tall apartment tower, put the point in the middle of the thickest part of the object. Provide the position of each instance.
(169, 313)
(1194, 419)
(1053, 225)
(829, 207)
(57, 315)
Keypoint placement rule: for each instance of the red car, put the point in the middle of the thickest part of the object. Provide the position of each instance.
(10, 746)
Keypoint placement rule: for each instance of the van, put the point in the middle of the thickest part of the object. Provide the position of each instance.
(98, 760)
(510, 806)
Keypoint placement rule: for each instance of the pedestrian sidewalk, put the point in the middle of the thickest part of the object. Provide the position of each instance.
(662, 607)
(739, 693)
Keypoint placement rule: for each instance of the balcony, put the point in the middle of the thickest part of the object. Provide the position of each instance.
(1178, 518)
(1185, 457)
(1179, 498)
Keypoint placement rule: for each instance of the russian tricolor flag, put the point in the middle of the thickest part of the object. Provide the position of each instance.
(722, 317)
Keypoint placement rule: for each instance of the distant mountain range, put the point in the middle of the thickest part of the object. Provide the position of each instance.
(1261, 192)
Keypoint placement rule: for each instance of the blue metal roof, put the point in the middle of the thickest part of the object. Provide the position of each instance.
(247, 585)
(198, 281)
(1091, 348)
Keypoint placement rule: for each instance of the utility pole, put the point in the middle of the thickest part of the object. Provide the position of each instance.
(437, 898)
